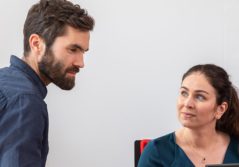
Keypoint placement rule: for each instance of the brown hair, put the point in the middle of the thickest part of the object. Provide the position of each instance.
(49, 18)
(219, 79)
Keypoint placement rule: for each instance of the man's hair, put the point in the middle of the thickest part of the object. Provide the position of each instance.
(49, 18)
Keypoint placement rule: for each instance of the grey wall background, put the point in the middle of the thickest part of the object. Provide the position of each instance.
(128, 89)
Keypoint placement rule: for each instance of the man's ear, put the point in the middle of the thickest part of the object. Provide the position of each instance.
(221, 109)
(37, 45)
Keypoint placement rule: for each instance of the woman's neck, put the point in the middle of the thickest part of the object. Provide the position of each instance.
(200, 138)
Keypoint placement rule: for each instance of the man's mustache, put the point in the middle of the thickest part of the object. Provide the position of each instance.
(73, 69)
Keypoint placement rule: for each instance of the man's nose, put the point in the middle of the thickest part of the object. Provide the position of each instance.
(79, 61)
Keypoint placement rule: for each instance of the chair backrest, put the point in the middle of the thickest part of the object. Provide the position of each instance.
(139, 146)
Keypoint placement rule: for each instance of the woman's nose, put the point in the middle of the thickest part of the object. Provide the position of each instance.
(189, 103)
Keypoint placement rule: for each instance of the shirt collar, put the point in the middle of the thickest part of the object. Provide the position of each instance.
(24, 67)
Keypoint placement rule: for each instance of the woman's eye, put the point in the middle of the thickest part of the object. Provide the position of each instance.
(184, 93)
(200, 98)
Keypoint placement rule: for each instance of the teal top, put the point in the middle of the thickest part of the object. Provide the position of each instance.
(164, 152)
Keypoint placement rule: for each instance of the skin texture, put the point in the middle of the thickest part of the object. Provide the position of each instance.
(62, 61)
(196, 105)
(198, 112)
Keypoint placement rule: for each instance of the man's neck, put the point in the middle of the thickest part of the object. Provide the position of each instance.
(33, 63)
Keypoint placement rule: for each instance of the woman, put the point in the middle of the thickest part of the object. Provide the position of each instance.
(208, 109)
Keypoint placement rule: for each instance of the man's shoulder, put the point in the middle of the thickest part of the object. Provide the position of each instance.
(14, 82)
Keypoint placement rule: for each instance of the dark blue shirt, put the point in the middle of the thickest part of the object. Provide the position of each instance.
(164, 152)
(23, 117)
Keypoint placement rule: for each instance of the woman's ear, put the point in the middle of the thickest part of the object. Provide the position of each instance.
(221, 109)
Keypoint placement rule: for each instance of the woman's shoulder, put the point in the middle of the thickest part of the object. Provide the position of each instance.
(232, 154)
(166, 137)
(234, 144)
(159, 151)
(165, 142)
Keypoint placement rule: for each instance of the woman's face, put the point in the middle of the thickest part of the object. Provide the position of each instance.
(196, 103)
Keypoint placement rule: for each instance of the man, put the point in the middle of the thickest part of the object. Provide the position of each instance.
(56, 36)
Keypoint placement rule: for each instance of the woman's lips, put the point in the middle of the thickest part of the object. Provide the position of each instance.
(188, 115)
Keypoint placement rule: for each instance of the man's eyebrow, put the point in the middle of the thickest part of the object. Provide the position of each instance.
(79, 47)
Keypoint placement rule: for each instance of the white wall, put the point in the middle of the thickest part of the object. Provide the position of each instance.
(128, 89)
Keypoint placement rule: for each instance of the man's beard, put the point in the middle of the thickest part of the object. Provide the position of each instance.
(54, 70)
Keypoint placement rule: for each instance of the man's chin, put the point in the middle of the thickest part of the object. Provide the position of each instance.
(66, 85)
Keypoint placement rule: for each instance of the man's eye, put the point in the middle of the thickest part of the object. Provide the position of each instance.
(73, 49)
